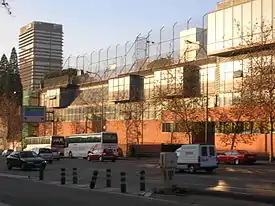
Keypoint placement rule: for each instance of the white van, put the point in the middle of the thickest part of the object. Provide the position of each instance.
(193, 157)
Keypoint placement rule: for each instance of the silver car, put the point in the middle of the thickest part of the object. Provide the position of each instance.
(56, 154)
(45, 153)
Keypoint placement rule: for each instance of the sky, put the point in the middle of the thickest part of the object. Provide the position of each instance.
(90, 25)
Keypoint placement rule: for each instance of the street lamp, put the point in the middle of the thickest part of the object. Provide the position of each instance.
(207, 99)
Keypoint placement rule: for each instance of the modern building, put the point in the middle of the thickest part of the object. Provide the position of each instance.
(40, 52)
(126, 102)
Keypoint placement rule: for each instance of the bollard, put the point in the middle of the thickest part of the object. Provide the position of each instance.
(123, 182)
(93, 181)
(63, 176)
(41, 173)
(75, 176)
(142, 180)
(108, 178)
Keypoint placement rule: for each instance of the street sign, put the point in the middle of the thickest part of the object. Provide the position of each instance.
(34, 114)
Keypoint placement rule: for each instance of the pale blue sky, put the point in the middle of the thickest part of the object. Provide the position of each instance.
(93, 24)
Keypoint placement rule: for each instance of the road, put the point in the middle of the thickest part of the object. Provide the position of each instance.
(255, 179)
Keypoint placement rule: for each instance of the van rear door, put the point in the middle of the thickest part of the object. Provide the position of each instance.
(208, 156)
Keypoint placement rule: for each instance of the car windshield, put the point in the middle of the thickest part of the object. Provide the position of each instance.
(27, 154)
(108, 151)
(45, 150)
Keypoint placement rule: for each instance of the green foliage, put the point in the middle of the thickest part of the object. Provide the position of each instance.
(11, 85)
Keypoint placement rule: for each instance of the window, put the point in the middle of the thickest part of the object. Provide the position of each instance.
(204, 151)
(109, 138)
(167, 127)
(212, 151)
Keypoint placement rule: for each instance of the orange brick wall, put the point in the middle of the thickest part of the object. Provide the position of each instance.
(152, 134)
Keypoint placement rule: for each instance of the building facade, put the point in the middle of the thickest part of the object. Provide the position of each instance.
(40, 52)
(211, 64)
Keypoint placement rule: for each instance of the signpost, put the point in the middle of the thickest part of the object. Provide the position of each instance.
(34, 114)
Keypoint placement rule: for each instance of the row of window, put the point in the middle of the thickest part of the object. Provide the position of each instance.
(225, 127)
(132, 111)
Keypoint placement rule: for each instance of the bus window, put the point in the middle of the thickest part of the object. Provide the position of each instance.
(109, 138)
(58, 140)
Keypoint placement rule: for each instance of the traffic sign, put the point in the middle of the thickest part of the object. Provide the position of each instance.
(34, 114)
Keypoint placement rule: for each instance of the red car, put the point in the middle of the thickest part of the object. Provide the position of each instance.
(236, 157)
(101, 155)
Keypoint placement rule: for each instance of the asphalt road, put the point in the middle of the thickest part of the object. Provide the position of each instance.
(249, 179)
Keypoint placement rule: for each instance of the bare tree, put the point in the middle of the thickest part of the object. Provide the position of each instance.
(178, 96)
(133, 116)
(6, 5)
(233, 128)
(11, 120)
(258, 89)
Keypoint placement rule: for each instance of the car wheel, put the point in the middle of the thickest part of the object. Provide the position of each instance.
(58, 159)
(236, 161)
(70, 155)
(191, 169)
(101, 159)
(113, 160)
(9, 166)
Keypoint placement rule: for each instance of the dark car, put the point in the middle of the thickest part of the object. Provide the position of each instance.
(25, 160)
(101, 155)
(237, 157)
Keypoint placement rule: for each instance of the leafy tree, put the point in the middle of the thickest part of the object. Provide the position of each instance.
(15, 80)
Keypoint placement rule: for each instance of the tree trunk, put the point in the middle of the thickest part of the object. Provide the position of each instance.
(271, 139)
(233, 141)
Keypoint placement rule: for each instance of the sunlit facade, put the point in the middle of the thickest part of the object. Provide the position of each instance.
(79, 106)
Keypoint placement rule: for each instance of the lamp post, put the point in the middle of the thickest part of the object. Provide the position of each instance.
(207, 99)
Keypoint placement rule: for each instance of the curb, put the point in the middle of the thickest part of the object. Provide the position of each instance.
(235, 195)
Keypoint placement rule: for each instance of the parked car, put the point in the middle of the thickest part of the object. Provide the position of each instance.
(25, 160)
(56, 154)
(101, 155)
(193, 157)
(45, 153)
(236, 157)
(7, 152)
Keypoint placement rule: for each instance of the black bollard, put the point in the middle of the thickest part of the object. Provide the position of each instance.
(108, 178)
(123, 182)
(75, 176)
(142, 180)
(63, 176)
(41, 173)
(94, 178)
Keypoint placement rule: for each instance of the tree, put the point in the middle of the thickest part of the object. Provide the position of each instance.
(14, 78)
(11, 121)
(232, 126)
(3, 69)
(258, 88)
(6, 5)
(177, 95)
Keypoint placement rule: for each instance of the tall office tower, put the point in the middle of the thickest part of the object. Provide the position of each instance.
(40, 52)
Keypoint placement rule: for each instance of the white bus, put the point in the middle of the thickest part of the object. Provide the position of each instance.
(51, 142)
(80, 145)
